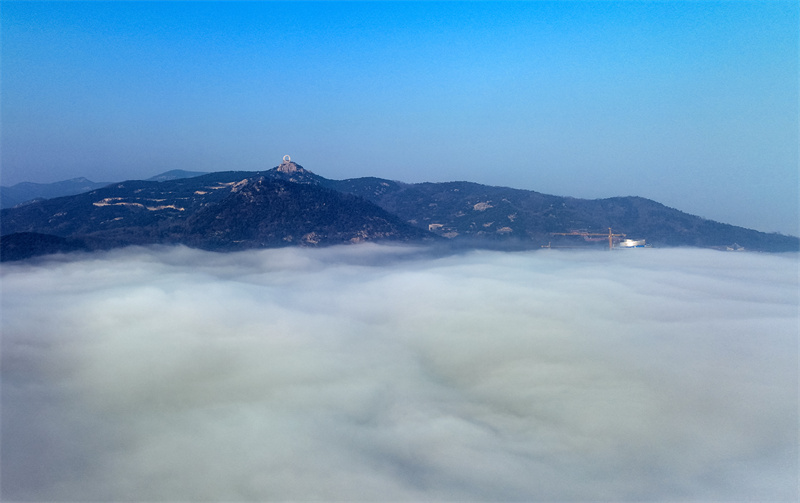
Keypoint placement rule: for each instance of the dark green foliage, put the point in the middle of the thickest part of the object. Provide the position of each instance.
(24, 245)
(237, 210)
(218, 211)
(267, 212)
(480, 213)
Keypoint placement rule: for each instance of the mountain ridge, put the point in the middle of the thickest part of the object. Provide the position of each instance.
(25, 192)
(219, 211)
(289, 206)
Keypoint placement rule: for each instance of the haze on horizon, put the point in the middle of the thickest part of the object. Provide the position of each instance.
(692, 104)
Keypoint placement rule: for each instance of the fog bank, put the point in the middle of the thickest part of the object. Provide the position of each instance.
(393, 373)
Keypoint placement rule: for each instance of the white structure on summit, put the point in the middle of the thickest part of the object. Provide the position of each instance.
(287, 166)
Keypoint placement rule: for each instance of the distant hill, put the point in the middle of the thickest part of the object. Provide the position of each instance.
(27, 191)
(291, 206)
(176, 174)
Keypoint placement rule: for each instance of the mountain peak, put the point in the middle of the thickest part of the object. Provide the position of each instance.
(288, 166)
(292, 172)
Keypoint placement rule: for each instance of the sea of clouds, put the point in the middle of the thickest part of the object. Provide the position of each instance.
(398, 373)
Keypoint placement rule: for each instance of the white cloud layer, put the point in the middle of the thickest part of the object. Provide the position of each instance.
(392, 373)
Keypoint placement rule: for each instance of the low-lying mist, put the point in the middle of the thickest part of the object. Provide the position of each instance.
(394, 373)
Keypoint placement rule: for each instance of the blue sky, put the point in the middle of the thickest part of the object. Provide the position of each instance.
(692, 104)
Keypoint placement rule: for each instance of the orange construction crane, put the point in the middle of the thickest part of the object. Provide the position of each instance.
(587, 234)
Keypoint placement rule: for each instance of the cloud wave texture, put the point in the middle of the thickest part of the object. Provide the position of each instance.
(393, 373)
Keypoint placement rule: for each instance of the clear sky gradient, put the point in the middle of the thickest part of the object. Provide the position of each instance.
(692, 104)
